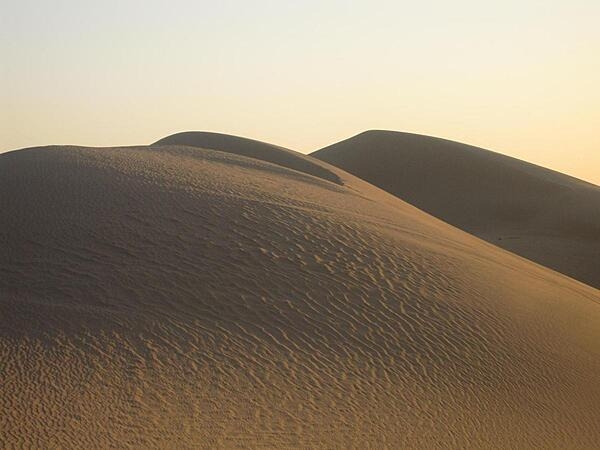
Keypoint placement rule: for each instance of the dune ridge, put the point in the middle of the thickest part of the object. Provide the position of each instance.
(542, 215)
(252, 149)
(179, 297)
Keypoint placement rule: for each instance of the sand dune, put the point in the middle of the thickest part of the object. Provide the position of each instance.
(545, 216)
(178, 297)
(252, 149)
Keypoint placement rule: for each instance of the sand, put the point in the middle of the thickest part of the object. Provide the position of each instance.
(542, 215)
(177, 297)
(252, 149)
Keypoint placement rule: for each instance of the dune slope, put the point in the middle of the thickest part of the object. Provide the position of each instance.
(177, 297)
(252, 149)
(545, 216)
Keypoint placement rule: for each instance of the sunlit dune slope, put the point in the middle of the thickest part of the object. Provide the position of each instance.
(252, 149)
(180, 297)
(540, 214)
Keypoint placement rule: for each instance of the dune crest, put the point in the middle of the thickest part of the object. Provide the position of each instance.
(545, 216)
(252, 149)
(173, 296)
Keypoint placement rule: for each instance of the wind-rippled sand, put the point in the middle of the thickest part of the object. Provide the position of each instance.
(176, 297)
(545, 216)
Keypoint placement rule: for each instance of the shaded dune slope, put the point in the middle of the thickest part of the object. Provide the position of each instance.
(540, 214)
(252, 149)
(182, 297)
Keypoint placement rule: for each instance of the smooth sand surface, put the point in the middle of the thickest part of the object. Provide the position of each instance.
(542, 215)
(176, 297)
(252, 149)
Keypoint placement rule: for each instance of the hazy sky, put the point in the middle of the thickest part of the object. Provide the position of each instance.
(518, 77)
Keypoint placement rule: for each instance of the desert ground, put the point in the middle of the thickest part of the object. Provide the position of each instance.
(209, 291)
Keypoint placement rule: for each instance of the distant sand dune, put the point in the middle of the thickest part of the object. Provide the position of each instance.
(252, 149)
(545, 216)
(180, 297)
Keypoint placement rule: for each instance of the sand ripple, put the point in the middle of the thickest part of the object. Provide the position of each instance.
(177, 297)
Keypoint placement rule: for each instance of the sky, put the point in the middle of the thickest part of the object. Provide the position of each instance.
(518, 77)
